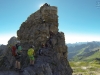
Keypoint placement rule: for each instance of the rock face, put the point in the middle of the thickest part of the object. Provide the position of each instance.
(7, 61)
(3, 49)
(36, 31)
(13, 40)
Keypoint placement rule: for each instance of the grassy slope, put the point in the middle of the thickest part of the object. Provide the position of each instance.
(85, 68)
(84, 58)
(82, 55)
(93, 56)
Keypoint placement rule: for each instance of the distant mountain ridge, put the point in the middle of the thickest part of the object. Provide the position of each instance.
(84, 52)
(77, 43)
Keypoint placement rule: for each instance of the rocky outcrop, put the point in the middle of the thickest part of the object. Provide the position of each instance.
(36, 31)
(13, 40)
(3, 48)
(7, 60)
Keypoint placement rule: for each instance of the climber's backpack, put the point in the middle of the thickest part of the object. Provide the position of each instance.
(30, 52)
(14, 52)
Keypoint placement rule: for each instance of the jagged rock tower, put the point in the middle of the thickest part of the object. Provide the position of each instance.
(35, 30)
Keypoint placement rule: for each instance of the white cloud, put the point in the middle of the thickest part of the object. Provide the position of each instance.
(5, 38)
(72, 38)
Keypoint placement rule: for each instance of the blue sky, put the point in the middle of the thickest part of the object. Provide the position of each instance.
(78, 19)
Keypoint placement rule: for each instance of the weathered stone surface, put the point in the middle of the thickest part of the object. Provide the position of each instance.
(33, 26)
(33, 31)
(3, 49)
(13, 40)
(7, 61)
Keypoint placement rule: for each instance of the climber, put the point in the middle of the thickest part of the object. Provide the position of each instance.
(41, 49)
(18, 57)
(49, 42)
(17, 44)
(46, 4)
(31, 53)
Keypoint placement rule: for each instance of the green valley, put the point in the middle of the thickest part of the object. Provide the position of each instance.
(85, 58)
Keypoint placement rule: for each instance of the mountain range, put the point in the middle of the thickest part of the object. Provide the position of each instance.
(87, 51)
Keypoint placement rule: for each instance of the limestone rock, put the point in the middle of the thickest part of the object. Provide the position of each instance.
(13, 40)
(3, 49)
(36, 31)
(7, 60)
